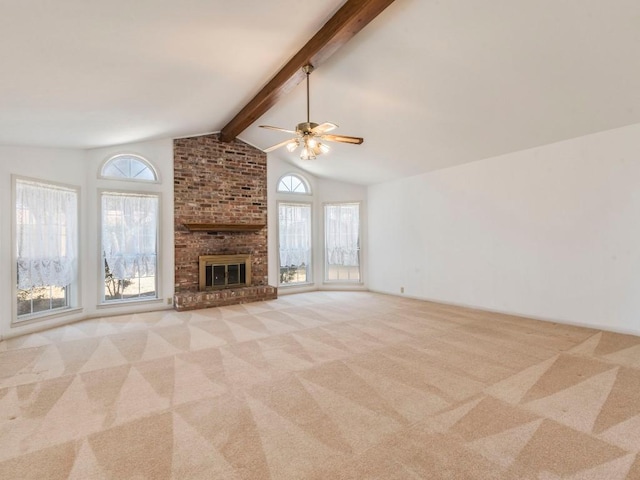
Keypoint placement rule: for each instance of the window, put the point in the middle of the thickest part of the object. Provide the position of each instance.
(129, 246)
(46, 247)
(342, 242)
(292, 183)
(128, 167)
(294, 221)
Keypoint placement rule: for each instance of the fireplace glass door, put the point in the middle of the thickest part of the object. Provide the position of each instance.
(232, 273)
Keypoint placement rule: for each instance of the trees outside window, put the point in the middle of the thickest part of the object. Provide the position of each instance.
(129, 246)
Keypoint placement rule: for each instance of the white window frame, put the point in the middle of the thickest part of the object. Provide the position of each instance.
(310, 272)
(302, 179)
(101, 268)
(74, 297)
(324, 244)
(138, 157)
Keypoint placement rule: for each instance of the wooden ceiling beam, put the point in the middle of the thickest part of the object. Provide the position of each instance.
(352, 17)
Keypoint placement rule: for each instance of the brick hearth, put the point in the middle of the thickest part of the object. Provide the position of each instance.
(220, 298)
(219, 183)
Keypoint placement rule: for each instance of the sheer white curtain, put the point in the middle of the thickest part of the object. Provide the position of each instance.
(129, 234)
(46, 234)
(295, 234)
(342, 234)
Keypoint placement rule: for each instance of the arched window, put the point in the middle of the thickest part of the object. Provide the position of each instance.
(128, 167)
(130, 232)
(293, 183)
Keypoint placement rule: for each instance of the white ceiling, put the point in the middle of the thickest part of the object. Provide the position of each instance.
(428, 84)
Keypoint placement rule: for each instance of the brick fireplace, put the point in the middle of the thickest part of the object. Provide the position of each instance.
(220, 208)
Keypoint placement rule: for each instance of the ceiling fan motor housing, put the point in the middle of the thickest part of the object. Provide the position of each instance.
(305, 127)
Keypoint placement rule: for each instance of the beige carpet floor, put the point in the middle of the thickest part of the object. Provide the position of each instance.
(320, 386)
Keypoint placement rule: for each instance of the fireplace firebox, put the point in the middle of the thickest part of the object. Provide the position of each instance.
(224, 271)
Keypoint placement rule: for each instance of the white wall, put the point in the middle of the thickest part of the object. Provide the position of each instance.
(80, 168)
(551, 232)
(323, 191)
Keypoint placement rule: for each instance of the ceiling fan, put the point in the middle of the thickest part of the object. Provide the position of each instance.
(311, 136)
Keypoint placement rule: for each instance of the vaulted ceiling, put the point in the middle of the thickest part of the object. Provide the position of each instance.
(429, 83)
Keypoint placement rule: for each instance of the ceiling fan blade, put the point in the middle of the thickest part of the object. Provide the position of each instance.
(278, 145)
(343, 139)
(278, 129)
(325, 127)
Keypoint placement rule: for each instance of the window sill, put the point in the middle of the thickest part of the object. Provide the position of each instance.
(44, 316)
(296, 285)
(343, 282)
(123, 303)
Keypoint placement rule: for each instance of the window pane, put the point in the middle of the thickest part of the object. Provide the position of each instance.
(295, 243)
(129, 246)
(24, 302)
(46, 246)
(292, 184)
(130, 167)
(342, 242)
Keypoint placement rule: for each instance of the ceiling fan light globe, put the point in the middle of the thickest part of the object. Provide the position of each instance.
(307, 154)
(291, 146)
(323, 148)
